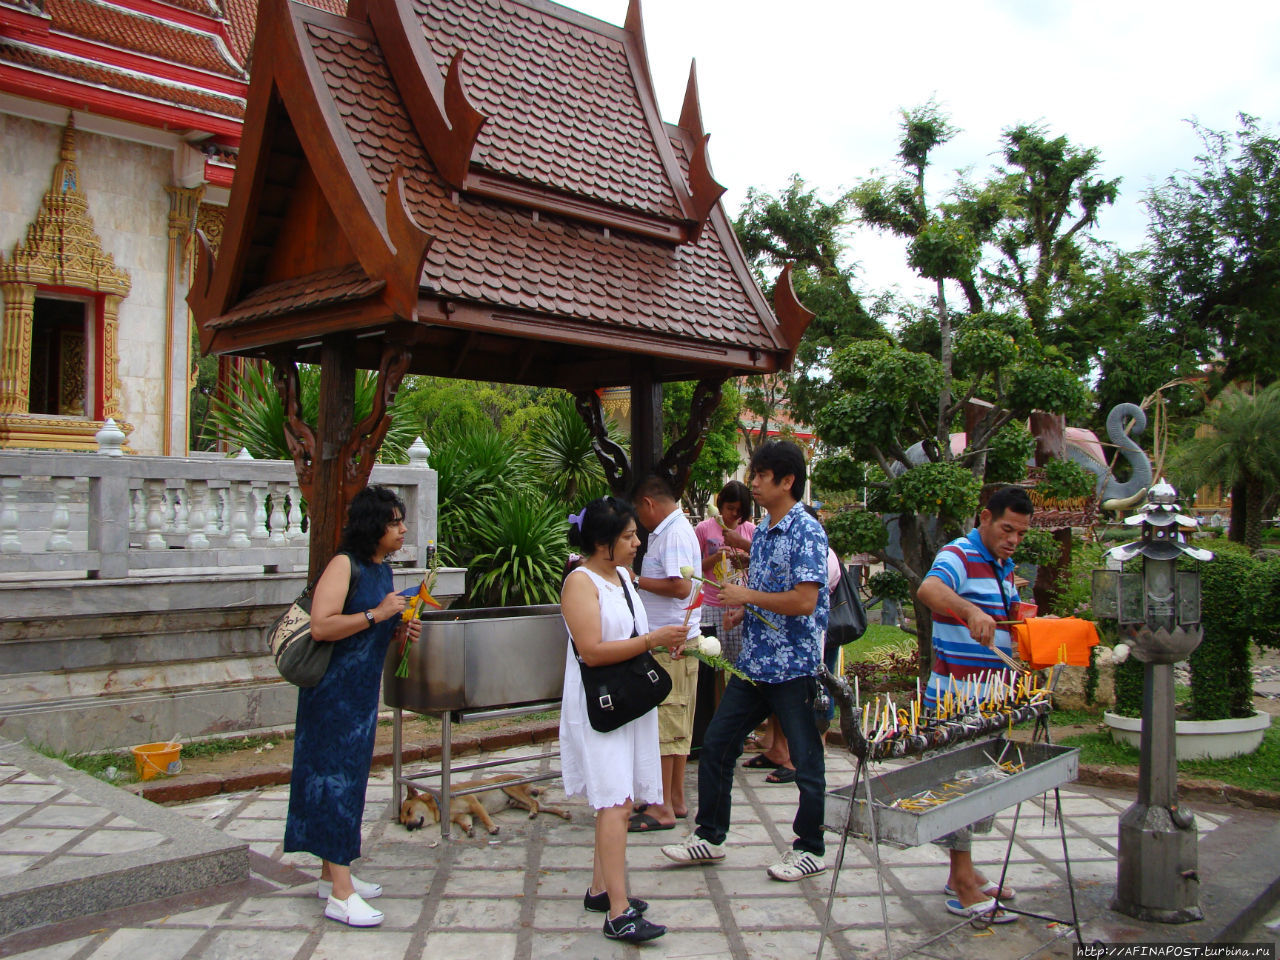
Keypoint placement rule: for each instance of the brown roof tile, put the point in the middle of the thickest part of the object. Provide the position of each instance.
(147, 35)
(501, 256)
(544, 82)
(322, 288)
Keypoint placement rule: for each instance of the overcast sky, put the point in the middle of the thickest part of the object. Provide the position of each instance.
(815, 86)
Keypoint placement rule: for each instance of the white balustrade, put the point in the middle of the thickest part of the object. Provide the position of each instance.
(113, 516)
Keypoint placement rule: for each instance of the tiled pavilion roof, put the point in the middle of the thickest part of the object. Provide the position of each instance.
(498, 172)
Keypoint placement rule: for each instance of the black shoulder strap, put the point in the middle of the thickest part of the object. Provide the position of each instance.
(626, 593)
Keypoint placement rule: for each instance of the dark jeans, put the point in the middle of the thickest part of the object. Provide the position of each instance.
(742, 708)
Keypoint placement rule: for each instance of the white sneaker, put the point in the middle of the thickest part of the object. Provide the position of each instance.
(796, 865)
(366, 889)
(353, 911)
(693, 849)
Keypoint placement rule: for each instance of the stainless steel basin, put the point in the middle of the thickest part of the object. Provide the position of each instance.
(480, 659)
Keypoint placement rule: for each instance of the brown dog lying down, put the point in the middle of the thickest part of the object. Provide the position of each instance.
(420, 808)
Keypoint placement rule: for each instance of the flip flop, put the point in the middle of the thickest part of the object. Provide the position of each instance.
(980, 911)
(781, 775)
(989, 891)
(761, 762)
(643, 823)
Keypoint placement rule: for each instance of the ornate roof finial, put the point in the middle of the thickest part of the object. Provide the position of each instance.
(66, 176)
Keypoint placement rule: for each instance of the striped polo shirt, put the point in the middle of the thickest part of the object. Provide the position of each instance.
(971, 570)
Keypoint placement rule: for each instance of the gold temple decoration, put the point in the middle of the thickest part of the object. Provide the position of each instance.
(61, 250)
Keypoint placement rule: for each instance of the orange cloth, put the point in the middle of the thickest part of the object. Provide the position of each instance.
(1043, 642)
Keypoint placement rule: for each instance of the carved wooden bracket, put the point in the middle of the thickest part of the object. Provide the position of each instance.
(617, 468)
(411, 244)
(360, 449)
(793, 316)
(301, 439)
(680, 456)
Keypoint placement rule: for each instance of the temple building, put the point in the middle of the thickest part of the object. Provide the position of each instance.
(119, 126)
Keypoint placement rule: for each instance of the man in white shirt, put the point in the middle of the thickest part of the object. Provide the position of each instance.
(667, 596)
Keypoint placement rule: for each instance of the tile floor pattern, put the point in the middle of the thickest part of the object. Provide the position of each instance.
(518, 895)
(42, 822)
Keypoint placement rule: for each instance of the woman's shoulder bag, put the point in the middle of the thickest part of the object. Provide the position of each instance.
(847, 620)
(618, 693)
(300, 658)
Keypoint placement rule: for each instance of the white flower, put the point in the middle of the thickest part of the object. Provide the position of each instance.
(709, 645)
(686, 573)
(1120, 652)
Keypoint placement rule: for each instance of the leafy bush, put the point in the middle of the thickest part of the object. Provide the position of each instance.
(1008, 453)
(856, 531)
(1074, 598)
(1038, 547)
(560, 454)
(1065, 480)
(1221, 670)
(890, 585)
(1129, 681)
(520, 551)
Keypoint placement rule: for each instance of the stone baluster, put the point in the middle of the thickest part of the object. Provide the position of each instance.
(259, 529)
(295, 513)
(197, 519)
(60, 522)
(237, 492)
(155, 515)
(181, 509)
(279, 521)
(170, 509)
(10, 542)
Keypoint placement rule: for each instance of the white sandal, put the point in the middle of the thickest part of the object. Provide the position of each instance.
(982, 910)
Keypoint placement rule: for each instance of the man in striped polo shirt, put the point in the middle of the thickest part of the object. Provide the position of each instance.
(969, 588)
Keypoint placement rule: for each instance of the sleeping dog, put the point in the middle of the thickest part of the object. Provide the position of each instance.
(420, 808)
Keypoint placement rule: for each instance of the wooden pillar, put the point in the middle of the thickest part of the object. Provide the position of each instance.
(327, 508)
(646, 424)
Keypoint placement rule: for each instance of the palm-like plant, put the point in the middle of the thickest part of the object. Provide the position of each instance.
(521, 549)
(1238, 447)
(560, 455)
(252, 413)
(476, 465)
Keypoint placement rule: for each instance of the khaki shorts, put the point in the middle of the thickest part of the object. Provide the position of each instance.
(675, 714)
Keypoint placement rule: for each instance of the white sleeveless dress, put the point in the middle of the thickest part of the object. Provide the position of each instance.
(608, 768)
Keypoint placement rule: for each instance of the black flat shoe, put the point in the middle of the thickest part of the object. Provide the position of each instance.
(599, 902)
(632, 928)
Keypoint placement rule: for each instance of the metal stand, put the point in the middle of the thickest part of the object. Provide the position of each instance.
(1039, 731)
(445, 793)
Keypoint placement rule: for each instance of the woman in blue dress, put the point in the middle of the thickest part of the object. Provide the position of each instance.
(333, 739)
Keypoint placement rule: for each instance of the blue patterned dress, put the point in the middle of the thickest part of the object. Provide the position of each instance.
(333, 740)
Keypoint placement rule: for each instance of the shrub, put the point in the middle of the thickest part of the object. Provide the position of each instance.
(1065, 480)
(1221, 669)
(890, 585)
(1037, 547)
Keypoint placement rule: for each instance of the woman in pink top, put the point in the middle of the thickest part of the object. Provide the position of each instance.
(727, 538)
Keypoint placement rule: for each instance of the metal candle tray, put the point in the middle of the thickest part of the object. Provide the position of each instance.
(1045, 767)
(480, 659)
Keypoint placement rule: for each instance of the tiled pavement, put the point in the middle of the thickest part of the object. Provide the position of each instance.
(518, 895)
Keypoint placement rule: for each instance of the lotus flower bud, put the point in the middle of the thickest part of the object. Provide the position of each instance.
(686, 573)
(1120, 652)
(709, 645)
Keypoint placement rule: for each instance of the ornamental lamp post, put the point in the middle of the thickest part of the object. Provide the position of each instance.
(1158, 615)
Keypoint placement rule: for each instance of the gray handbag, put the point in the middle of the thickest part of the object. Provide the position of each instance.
(300, 658)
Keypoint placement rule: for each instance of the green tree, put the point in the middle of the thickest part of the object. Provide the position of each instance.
(1215, 252)
(1237, 446)
(797, 226)
(719, 456)
(557, 443)
(469, 403)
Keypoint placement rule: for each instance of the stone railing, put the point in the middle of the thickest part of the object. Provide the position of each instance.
(110, 517)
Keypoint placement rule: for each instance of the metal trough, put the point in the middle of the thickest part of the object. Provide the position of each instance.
(480, 659)
(490, 662)
(1045, 766)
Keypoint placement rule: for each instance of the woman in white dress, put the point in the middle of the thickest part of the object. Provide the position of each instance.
(615, 769)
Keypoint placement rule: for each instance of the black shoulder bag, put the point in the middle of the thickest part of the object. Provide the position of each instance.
(621, 692)
(300, 658)
(847, 620)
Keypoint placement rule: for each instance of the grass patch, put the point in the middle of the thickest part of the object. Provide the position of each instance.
(877, 637)
(101, 765)
(1259, 770)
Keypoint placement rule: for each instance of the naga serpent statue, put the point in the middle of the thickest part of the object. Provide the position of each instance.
(1112, 493)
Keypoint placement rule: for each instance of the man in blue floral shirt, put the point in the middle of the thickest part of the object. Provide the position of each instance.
(785, 606)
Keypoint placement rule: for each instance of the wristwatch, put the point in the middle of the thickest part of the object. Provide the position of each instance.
(368, 615)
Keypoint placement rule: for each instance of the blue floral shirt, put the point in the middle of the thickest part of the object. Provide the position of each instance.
(791, 552)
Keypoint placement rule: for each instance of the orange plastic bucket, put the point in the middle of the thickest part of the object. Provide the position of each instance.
(154, 758)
